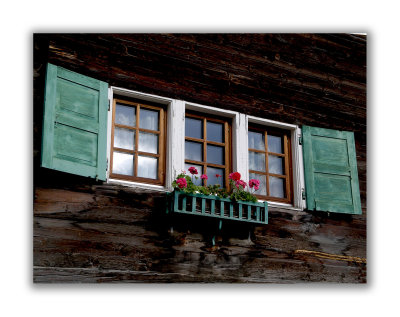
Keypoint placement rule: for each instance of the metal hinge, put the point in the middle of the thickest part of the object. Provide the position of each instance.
(300, 140)
(107, 165)
(110, 94)
(303, 194)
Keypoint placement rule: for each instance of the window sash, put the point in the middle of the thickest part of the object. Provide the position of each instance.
(160, 155)
(287, 163)
(226, 145)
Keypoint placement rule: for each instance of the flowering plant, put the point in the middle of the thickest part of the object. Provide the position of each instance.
(237, 190)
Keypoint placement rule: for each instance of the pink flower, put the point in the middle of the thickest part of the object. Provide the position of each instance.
(254, 183)
(234, 176)
(193, 170)
(181, 182)
(204, 176)
(240, 183)
(217, 175)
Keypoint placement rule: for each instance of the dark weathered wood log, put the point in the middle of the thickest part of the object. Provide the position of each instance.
(103, 233)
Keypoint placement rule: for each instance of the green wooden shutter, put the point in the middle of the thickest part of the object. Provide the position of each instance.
(330, 170)
(75, 123)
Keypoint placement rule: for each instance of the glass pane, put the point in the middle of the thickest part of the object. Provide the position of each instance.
(196, 177)
(148, 142)
(124, 138)
(147, 167)
(148, 119)
(193, 128)
(256, 161)
(262, 190)
(215, 132)
(125, 115)
(122, 163)
(194, 151)
(256, 141)
(212, 173)
(277, 187)
(215, 154)
(275, 164)
(274, 144)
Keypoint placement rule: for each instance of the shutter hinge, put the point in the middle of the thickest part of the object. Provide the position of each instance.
(109, 104)
(303, 194)
(107, 165)
(300, 140)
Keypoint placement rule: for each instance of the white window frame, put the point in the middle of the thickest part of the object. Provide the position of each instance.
(236, 124)
(117, 91)
(175, 143)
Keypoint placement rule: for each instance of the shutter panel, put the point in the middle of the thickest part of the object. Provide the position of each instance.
(330, 170)
(75, 123)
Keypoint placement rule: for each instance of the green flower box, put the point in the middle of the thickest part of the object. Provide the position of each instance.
(216, 207)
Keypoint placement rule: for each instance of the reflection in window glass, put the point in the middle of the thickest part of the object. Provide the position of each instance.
(147, 167)
(274, 144)
(212, 173)
(199, 168)
(122, 163)
(256, 140)
(125, 115)
(215, 154)
(275, 164)
(148, 119)
(194, 151)
(193, 128)
(215, 132)
(257, 161)
(124, 138)
(148, 142)
(276, 187)
(263, 183)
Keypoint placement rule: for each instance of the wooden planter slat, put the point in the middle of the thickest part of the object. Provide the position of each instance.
(178, 203)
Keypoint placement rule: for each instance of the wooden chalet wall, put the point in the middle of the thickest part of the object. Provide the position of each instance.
(87, 231)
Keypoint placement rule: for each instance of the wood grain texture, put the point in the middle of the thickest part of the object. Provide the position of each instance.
(107, 233)
(85, 231)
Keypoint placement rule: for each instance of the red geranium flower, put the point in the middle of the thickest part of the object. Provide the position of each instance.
(240, 183)
(181, 182)
(217, 175)
(235, 176)
(204, 176)
(193, 170)
(254, 183)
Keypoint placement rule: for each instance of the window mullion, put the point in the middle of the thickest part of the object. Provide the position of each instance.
(136, 156)
(205, 141)
(227, 154)
(286, 151)
(240, 147)
(161, 147)
(266, 162)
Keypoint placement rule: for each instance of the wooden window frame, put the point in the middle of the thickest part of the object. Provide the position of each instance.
(227, 144)
(286, 155)
(161, 142)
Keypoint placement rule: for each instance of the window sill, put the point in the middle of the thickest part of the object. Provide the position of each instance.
(274, 206)
(150, 187)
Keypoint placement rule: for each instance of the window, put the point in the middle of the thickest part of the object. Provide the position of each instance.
(81, 133)
(137, 142)
(207, 147)
(270, 163)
